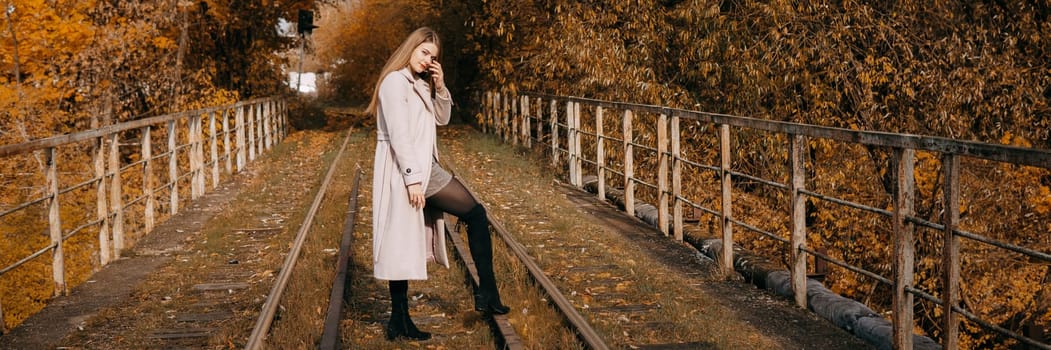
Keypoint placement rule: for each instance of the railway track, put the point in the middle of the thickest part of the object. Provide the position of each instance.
(570, 311)
(504, 333)
(605, 296)
(571, 281)
(580, 325)
(635, 287)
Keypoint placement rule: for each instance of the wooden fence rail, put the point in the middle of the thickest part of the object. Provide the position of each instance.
(266, 124)
(496, 117)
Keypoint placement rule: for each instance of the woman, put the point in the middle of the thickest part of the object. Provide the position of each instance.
(410, 190)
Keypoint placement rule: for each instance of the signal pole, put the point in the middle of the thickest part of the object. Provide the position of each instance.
(305, 26)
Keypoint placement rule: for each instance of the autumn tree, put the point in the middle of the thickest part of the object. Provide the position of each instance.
(69, 66)
(973, 71)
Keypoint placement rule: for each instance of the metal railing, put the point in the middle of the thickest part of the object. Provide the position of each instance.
(257, 125)
(511, 118)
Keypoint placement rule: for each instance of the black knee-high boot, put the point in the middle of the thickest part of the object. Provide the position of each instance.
(486, 298)
(400, 324)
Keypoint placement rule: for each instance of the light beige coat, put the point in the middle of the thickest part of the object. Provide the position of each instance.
(405, 239)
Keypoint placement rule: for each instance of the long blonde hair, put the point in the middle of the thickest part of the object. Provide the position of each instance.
(400, 58)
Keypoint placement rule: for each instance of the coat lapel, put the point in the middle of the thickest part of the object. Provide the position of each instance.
(422, 88)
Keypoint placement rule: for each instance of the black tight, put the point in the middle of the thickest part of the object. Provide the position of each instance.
(455, 199)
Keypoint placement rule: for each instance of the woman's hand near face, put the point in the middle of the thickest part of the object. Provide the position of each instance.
(416, 198)
(437, 74)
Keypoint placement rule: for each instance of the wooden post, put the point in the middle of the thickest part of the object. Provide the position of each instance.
(487, 106)
(527, 122)
(277, 127)
(284, 116)
(571, 123)
(193, 125)
(904, 248)
(798, 207)
(195, 163)
(267, 118)
(579, 163)
(173, 169)
(215, 149)
(539, 121)
(498, 117)
(198, 125)
(662, 173)
(101, 208)
(58, 261)
(520, 114)
(239, 119)
(515, 120)
(676, 178)
(554, 132)
(273, 124)
(505, 128)
(629, 166)
(251, 132)
(191, 156)
(260, 137)
(727, 212)
(951, 252)
(600, 154)
(147, 179)
(284, 119)
(115, 199)
(226, 141)
(257, 127)
(571, 129)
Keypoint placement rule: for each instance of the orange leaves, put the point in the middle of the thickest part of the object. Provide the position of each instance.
(354, 40)
(1042, 200)
(164, 43)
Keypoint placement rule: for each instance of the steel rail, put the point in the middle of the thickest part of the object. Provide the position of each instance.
(504, 330)
(330, 338)
(266, 315)
(580, 324)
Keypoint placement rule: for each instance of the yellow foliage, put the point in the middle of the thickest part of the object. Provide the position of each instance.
(85, 64)
(1042, 200)
(164, 43)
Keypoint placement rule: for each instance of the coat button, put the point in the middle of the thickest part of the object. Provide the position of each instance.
(408, 170)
